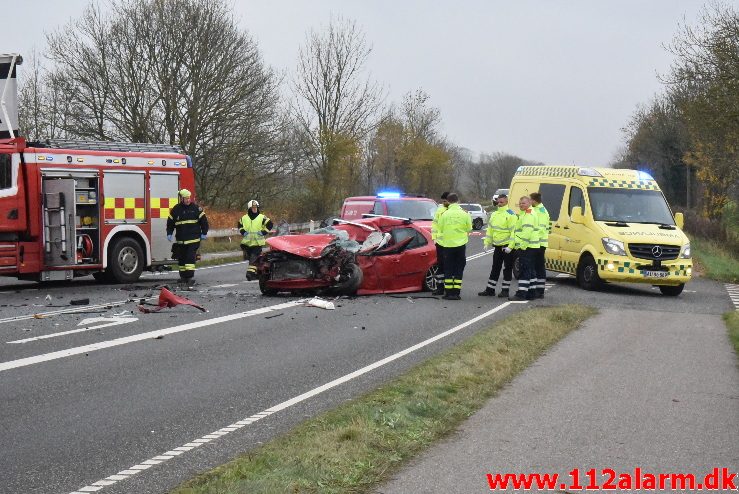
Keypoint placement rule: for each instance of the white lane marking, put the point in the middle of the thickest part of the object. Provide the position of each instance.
(80, 308)
(227, 285)
(479, 254)
(162, 273)
(122, 475)
(79, 330)
(733, 291)
(14, 364)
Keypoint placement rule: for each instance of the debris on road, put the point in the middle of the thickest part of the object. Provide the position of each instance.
(320, 303)
(168, 299)
(274, 315)
(80, 301)
(94, 320)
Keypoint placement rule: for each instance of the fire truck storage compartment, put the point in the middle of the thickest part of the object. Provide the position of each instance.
(71, 216)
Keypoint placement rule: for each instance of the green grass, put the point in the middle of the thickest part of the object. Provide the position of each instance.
(714, 261)
(359, 444)
(220, 244)
(732, 324)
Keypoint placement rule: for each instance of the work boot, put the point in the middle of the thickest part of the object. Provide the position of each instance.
(519, 297)
(504, 293)
(488, 292)
(539, 293)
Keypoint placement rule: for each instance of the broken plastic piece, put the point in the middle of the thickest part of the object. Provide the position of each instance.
(319, 302)
(169, 299)
(80, 301)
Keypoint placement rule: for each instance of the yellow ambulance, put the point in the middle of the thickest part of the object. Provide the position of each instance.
(609, 225)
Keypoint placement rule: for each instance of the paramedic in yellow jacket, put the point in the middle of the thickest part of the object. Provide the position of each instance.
(525, 241)
(542, 216)
(499, 232)
(253, 227)
(453, 234)
(439, 249)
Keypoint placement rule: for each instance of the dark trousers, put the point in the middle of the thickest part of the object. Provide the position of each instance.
(440, 264)
(455, 259)
(540, 271)
(186, 259)
(250, 254)
(503, 261)
(527, 272)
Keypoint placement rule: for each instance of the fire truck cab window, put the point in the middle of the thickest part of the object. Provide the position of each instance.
(6, 172)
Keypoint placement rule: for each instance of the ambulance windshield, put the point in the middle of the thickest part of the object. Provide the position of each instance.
(629, 206)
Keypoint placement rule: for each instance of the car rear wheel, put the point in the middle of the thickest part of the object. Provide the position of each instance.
(429, 281)
(477, 223)
(672, 291)
(587, 274)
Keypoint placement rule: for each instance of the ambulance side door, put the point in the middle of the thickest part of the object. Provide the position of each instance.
(552, 196)
(573, 234)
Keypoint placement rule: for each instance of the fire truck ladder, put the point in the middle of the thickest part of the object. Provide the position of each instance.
(135, 147)
(54, 208)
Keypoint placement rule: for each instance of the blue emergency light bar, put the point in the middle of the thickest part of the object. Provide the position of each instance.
(389, 195)
(644, 175)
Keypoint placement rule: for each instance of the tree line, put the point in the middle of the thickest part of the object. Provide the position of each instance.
(185, 73)
(688, 136)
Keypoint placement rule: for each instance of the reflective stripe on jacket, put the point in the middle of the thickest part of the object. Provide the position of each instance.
(253, 230)
(542, 216)
(435, 222)
(454, 227)
(500, 227)
(526, 231)
(189, 221)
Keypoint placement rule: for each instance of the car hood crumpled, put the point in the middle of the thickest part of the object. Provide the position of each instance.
(308, 246)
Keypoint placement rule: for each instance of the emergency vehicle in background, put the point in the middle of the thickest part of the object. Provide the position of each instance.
(74, 208)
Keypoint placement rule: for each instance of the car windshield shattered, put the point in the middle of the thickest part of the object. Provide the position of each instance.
(629, 206)
(342, 238)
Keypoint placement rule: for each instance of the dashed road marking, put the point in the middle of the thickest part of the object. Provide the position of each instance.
(733, 291)
(120, 321)
(196, 443)
(37, 359)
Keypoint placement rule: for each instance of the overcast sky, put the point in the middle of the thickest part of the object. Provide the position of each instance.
(547, 80)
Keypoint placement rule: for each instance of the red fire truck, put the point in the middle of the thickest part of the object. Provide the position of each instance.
(73, 208)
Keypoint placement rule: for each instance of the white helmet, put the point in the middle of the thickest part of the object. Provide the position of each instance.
(252, 203)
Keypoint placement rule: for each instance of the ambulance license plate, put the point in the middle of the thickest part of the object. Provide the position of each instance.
(655, 274)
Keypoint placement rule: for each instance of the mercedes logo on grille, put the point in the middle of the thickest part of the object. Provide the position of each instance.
(657, 251)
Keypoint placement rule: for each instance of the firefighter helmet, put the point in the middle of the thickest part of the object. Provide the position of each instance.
(185, 193)
(252, 204)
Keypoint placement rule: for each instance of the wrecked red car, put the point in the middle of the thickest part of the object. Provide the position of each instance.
(363, 257)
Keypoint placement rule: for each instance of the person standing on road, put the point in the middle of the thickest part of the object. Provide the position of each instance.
(498, 236)
(525, 241)
(540, 269)
(253, 227)
(191, 224)
(453, 234)
(439, 249)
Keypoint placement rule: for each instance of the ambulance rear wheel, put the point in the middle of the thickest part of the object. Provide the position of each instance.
(587, 273)
(672, 291)
(126, 260)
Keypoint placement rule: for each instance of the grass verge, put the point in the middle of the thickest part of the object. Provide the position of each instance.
(359, 444)
(714, 261)
(732, 324)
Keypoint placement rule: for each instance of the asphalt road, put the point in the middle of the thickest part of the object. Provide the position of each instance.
(131, 406)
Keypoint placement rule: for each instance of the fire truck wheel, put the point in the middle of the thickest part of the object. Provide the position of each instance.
(126, 260)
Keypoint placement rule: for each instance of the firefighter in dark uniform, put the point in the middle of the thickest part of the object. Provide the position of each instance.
(192, 226)
(453, 234)
(253, 227)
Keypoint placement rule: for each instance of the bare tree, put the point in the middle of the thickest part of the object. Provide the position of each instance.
(177, 72)
(334, 101)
